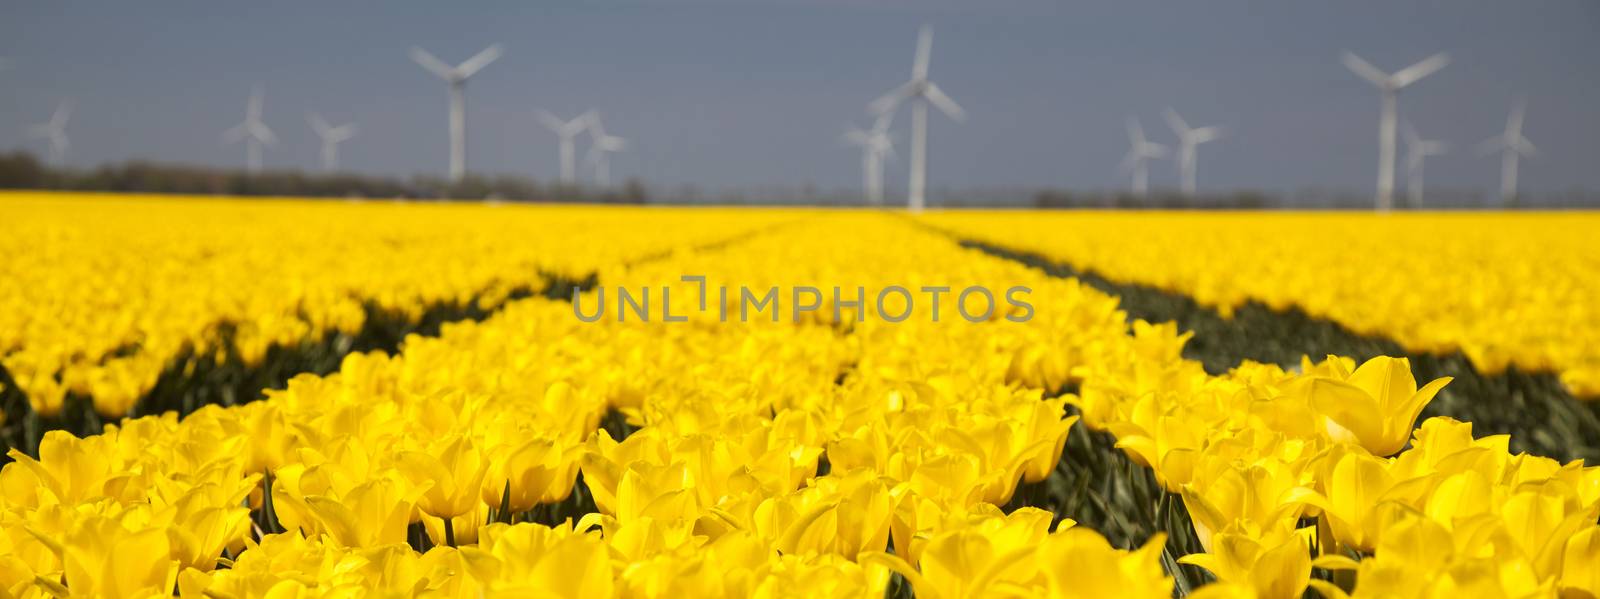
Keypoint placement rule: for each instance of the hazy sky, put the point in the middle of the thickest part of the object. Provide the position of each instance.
(757, 92)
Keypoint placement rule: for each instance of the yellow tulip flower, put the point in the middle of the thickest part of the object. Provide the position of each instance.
(1276, 566)
(450, 475)
(1375, 407)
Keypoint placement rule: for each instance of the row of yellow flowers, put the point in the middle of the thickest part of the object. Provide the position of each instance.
(1502, 288)
(1433, 512)
(925, 428)
(98, 293)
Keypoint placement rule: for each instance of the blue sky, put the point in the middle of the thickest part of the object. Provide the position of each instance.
(756, 93)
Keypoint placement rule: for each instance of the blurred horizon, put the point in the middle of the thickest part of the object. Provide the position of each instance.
(755, 95)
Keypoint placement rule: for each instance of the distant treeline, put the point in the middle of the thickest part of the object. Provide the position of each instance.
(22, 170)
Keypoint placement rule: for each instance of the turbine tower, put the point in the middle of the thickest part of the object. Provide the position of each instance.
(876, 145)
(252, 131)
(456, 77)
(1188, 139)
(1389, 86)
(568, 132)
(1140, 152)
(600, 145)
(1418, 149)
(1512, 145)
(55, 131)
(920, 92)
(331, 137)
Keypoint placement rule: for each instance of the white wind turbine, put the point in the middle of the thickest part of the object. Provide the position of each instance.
(1188, 139)
(456, 77)
(876, 145)
(568, 132)
(1390, 86)
(1512, 146)
(55, 131)
(920, 92)
(331, 137)
(1417, 150)
(601, 144)
(252, 131)
(1140, 152)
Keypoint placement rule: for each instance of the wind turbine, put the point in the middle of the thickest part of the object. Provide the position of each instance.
(876, 145)
(1512, 146)
(1390, 86)
(920, 92)
(55, 130)
(456, 77)
(600, 144)
(331, 137)
(1188, 139)
(1418, 149)
(1140, 152)
(568, 132)
(252, 131)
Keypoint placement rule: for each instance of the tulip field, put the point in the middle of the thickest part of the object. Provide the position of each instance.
(293, 398)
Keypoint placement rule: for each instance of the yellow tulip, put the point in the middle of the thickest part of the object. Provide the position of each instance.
(451, 476)
(1375, 407)
(1277, 566)
(371, 514)
(1079, 563)
(101, 557)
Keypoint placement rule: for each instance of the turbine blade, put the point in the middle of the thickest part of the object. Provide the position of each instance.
(478, 61)
(880, 125)
(1423, 68)
(1205, 134)
(944, 103)
(262, 133)
(1491, 145)
(345, 131)
(597, 129)
(252, 108)
(919, 68)
(1153, 150)
(1364, 69)
(856, 137)
(432, 63)
(63, 112)
(1410, 133)
(550, 121)
(890, 101)
(236, 134)
(1519, 110)
(319, 125)
(1179, 127)
(1526, 148)
(1135, 132)
(1128, 161)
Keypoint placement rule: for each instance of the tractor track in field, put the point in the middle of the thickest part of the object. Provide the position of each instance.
(1541, 415)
